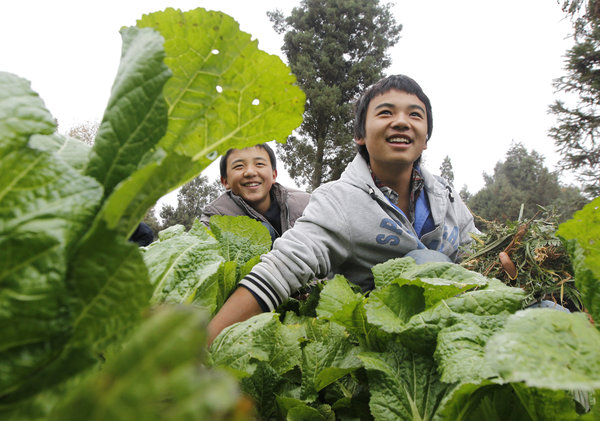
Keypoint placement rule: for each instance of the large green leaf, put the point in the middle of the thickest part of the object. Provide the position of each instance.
(496, 300)
(241, 238)
(339, 303)
(264, 386)
(135, 118)
(179, 265)
(215, 99)
(391, 307)
(453, 277)
(545, 404)
(105, 290)
(158, 375)
(45, 205)
(109, 288)
(582, 239)
(508, 402)
(548, 349)
(403, 385)
(257, 102)
(460, 350)
(22, 114)
(73, 151)
(260, 338)
(326, 359)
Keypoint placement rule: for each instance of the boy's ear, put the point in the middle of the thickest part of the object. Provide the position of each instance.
(274, 175)
(225, 183)
(359, 141)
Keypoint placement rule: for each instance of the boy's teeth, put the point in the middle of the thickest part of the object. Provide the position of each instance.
(398, 140)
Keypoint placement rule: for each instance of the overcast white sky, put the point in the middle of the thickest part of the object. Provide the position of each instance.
(487, 66)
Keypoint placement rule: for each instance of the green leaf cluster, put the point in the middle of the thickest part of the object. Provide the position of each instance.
(203, 266)
(430, 342)
(75, 294)
(581, 236)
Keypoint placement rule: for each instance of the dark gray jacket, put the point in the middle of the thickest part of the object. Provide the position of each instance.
(291, 202)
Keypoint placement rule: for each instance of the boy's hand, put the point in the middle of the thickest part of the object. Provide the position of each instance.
(239, 307)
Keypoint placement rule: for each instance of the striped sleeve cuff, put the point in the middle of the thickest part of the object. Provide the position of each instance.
(261, 289)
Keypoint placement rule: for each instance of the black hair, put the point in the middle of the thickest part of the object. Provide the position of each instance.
(398, 82)
(223, 163)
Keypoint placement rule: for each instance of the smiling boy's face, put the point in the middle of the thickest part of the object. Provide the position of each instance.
(250, 175)
(395, 130)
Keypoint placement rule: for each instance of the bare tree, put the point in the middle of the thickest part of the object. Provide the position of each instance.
(85, 131)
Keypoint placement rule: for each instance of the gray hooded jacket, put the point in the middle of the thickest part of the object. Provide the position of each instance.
(348, 227)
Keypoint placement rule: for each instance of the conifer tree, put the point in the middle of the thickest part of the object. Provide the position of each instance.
(335, 48)
(446, 170)
(522, 179)
(577, 130)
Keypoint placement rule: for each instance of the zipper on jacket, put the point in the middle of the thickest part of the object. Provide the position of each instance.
(399, 212)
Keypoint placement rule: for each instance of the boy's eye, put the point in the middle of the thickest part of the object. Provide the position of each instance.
(416, 114)
(384, 112)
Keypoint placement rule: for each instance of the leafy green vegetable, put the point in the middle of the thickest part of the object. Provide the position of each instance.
(136, 115)
(72, 287)
(339, 303)
(490, 401)
(392, 306)
(566, 345)
(421, 332)
(215, 100)
(397, 392)
(73, 151)
(262, 338)
(327, 358)
(158, 375)
(454, 278)
(241, 238)
(582, 239)
(460, 350)
(203, 266)
(180, 264)
(45, 207)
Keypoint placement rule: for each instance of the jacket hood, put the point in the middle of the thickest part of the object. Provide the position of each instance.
(357, 174)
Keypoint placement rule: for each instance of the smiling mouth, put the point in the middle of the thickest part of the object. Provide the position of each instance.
(252, 184)
(398, 140)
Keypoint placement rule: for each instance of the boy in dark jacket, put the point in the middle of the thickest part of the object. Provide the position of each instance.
(249, 176)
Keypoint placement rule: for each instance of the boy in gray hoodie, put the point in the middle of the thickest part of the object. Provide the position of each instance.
(384, 206)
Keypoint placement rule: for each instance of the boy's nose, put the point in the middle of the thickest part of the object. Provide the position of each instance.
(250, 171)
(400, 122)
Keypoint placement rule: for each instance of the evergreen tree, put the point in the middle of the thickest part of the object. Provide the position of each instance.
(464, 193)
(191, 199)
(523, 179)
(577, 129)
(336, 48)
(446, 170)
